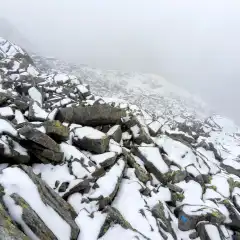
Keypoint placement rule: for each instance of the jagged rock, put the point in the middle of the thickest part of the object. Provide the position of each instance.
(208, 231)
(36, 113)
(12, 152)
(41, 145)
(39, 138)
(56, 130)
(115, 217)
(178, 176)
(99, 114)
(153, 162)
(180, 136)
(82, 186)
(232, 167)
(236, 201)
(63, 187)
(115, 133)
(113, 178)
(8, 231)
(139, 132)
(234, 216)
(190, 215)
(154, 128)
(90, 139)
(174, 188)
(159, 212)
(3, 98)
(140, 172)
(193, 235)
(105, 159)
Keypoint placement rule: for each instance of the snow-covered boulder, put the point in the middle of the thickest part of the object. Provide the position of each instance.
(90, 139)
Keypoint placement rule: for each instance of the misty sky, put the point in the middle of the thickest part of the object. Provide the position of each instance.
(194, 43)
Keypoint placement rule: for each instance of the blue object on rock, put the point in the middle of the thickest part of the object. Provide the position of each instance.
(183, 219)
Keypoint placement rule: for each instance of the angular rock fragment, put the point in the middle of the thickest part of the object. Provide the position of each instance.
(209, 231)
(115, 133)
(139, 132)
(140, 171)
(105, 159)
(153, 161)
(108, 184)
(90, 139)
(36, 113)
(231, 166)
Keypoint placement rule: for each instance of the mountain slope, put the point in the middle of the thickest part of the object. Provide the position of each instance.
(75, 165)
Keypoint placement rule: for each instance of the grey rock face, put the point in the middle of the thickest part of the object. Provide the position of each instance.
(91, 115)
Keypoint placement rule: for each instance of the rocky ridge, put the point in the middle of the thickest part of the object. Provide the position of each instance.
(78, 166)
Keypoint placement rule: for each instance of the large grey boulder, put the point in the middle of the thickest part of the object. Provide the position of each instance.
(95, 115)
(190, 215)
(56, 130)
(90, 139)
(41, 145)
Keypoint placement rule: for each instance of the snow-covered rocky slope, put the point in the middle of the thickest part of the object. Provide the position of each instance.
(77, 165)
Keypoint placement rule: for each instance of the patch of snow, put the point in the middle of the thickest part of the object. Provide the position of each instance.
(112, 130)
(212, 232)
(6, 112)
(35, 95)
(6, 127)
(39, 112)
(189, 188)
(114, 147)
(99, 158)
(232, 163)
(28, 191)
(153, 155)
(108, 182)
(221, 184)
(89, 132)
(19, 117)
(90, 226)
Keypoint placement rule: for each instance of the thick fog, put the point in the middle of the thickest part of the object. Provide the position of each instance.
(195, 44)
